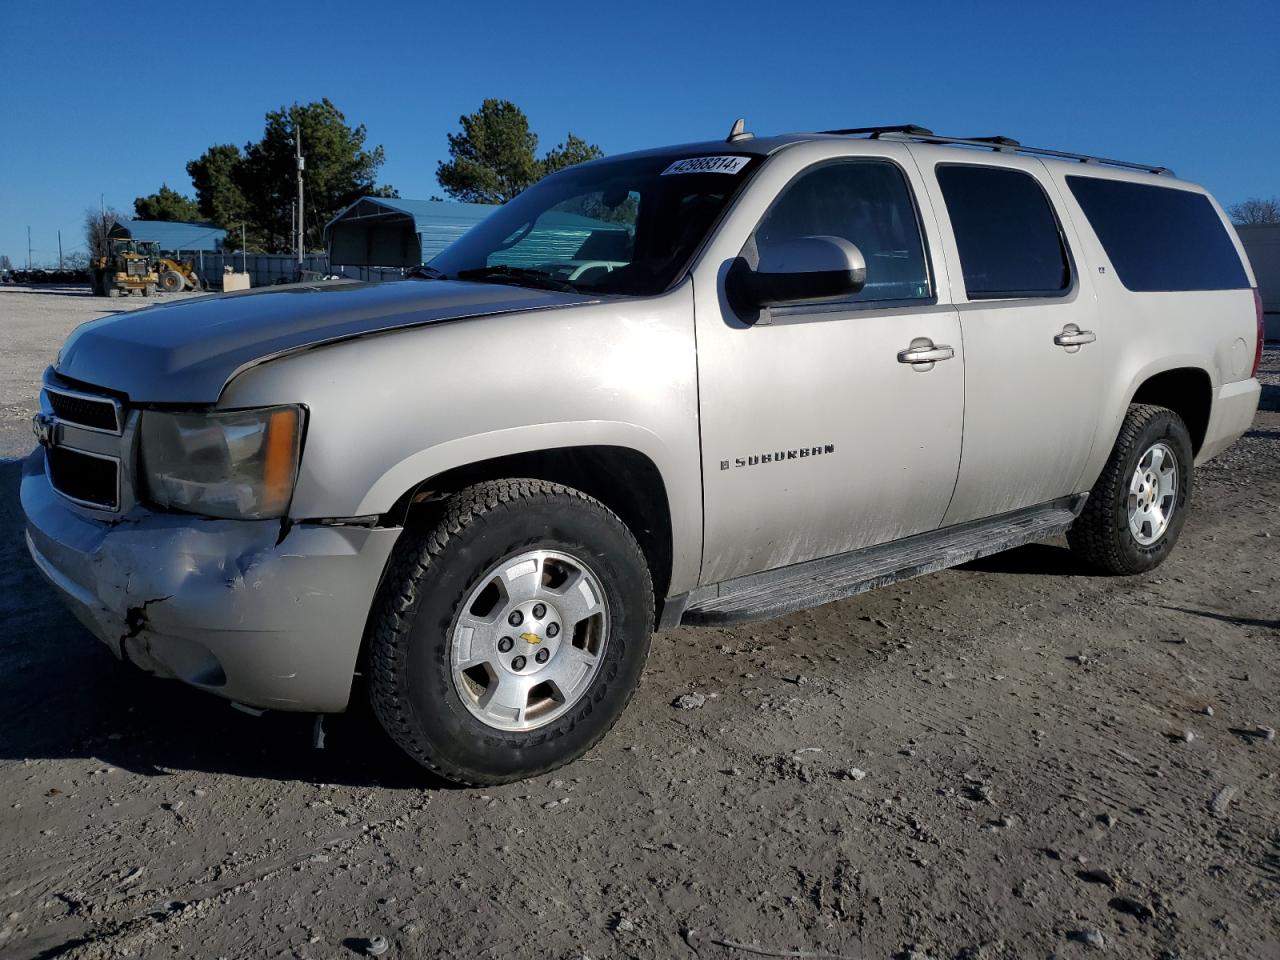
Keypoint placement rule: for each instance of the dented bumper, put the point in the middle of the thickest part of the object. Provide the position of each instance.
(228, 606)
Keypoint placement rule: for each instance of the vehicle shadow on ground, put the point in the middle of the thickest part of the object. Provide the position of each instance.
(1035, 559)
(1227, 618)
(66, 696)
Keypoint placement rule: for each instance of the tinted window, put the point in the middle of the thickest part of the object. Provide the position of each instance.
(868, 203)
(1159, 238)
(1008, 236)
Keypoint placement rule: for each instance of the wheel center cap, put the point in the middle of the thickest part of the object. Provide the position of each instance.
(536, 627)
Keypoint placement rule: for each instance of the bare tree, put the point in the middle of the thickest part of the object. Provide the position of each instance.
(97, 224)
(1255, 210)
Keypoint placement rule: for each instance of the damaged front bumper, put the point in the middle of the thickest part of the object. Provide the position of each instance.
(229, 606)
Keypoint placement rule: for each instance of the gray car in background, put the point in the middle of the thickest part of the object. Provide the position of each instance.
(702, 384)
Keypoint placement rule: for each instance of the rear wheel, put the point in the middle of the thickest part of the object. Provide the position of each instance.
(1136, 510)
(508, 639)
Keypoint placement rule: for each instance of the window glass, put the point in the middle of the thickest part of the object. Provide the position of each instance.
(1006, 231)
(626, 227)
(579, 239)
(868, 203)
(1160, 238)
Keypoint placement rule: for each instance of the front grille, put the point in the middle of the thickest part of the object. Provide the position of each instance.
(84, 477)
(135, 268)
(85, 411)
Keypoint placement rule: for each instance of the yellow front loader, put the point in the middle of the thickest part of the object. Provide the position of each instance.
(176, 275)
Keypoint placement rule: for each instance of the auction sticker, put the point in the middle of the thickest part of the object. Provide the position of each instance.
(708, 165)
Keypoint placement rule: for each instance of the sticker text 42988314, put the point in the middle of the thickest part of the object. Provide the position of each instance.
(707, 165)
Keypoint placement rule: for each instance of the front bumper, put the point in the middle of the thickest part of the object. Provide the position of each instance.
(1234, 407)
(229, 606)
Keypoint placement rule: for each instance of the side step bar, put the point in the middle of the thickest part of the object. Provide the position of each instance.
(762, 596)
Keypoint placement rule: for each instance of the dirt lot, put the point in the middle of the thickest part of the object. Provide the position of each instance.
(1011, 759)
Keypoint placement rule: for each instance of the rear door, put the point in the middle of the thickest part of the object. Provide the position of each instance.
(1036, 349)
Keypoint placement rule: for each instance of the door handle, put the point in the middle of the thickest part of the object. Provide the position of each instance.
(923, 354)
(1073, 336)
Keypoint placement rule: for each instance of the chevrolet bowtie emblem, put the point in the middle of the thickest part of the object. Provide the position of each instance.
(42, 425)
(530, 638)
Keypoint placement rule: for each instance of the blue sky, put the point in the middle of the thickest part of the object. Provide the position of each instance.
(91, 107)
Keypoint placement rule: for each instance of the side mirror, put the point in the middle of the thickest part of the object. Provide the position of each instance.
(799, 271)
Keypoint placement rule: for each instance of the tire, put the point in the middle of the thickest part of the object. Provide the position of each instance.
(112, 289)
(171, 281)
(1104, 534)
(436, 584)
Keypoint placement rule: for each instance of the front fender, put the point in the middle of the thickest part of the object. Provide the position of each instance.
(389, 411)
(462, 451)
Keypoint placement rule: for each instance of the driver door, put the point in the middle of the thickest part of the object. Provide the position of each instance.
(818, 437)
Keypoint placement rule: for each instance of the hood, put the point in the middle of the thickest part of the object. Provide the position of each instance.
(186, 352)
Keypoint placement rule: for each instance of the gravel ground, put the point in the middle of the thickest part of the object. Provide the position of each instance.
(1010, 759)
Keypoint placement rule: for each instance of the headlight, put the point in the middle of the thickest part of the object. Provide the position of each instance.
(240, 464)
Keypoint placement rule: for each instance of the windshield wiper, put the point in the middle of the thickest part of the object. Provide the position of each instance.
(424, 272)
(517, 276)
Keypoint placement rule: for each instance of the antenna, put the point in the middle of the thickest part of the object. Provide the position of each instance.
(739, 131)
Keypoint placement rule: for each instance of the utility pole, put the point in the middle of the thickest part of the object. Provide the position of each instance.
(28, 249)
(297, 140)
(59, 249)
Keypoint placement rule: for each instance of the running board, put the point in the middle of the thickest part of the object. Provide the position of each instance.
(763, 596)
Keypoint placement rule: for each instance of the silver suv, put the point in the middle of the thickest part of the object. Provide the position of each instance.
(701, 384)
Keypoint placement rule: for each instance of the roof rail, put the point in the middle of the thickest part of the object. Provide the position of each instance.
(1001, 144)
(909, 129)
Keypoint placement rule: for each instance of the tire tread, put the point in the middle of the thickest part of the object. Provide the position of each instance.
(1093, 536)
(413, 558)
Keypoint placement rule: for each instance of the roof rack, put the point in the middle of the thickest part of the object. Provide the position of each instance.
(1000, 144)
(909, 129)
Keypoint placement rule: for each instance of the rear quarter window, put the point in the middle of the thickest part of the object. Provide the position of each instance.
(1160, 238)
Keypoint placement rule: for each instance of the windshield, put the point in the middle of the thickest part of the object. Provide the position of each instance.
(624, 227)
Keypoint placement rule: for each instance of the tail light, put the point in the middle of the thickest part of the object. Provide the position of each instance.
(1257, 356)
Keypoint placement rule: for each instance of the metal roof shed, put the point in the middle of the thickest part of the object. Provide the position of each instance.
(390, 232)
(173, 236)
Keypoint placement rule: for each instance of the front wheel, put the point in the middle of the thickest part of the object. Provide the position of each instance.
(507, 640)
(1136, 510)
